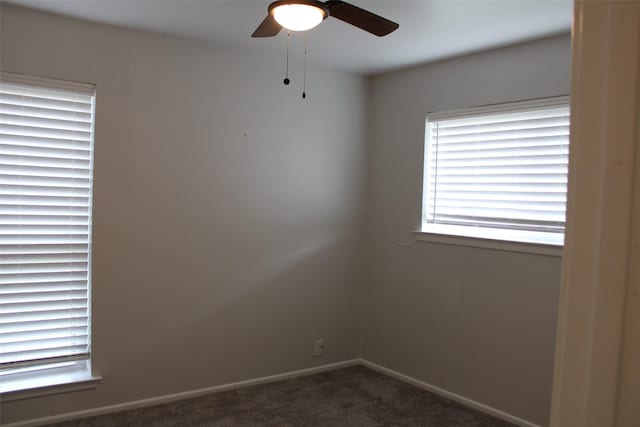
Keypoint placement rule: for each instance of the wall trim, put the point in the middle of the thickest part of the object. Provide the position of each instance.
(182, 395)
(273, 378)
(449, 395)
(597, 365)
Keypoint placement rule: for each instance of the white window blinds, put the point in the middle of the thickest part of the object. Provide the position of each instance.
(499, 170)
(46, 143)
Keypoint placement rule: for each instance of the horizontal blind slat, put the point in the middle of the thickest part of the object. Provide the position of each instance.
(39, 287)
(59, 296)
(501, 152)
(521, 179)
(35, 190)
(542, 141)
(502, 161)
(45, 152)
(50, 133)
(39, 220)
(40, 210)
(51, 267)
(488, 118)
(46, 343)
(474, 221)
(15, 338)
(49, 162)
(44, 200)
(60, 248)
(560, 121)
(50, 176)
(505, 213)
(552, 206)
(8, 308)
(503, 135)
(43, 142)
(503, 170)
(39, 278)
(20, 109)
(43, 325)
(27, 121)
(512, 187)
(498, 196)
(41, 315)
(62, 105)
(31, 230)
(47, 354)
(47, 258)
(45, 88)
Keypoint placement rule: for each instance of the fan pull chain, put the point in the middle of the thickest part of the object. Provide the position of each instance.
(304, 75)
(286, 77)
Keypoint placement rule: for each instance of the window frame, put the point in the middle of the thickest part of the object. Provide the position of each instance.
(485, 237)
(70, 375)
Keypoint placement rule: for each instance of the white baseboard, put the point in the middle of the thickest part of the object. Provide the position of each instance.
(180, 396)
(449, 395)
(272, 378)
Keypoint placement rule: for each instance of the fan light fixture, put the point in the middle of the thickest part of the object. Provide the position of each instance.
(298, 15)
(303, 15)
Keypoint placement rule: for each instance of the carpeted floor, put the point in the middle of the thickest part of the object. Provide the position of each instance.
(354, 396)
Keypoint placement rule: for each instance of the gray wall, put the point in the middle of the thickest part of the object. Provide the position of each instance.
(476, 322)
(227, 214)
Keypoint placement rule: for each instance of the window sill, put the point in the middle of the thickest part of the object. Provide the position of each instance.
(493, 244)
(50, 381)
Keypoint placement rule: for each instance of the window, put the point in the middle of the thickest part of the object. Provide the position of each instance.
(46, 151)
(498, 172)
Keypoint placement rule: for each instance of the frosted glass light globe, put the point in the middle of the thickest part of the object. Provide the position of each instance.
(298, 17)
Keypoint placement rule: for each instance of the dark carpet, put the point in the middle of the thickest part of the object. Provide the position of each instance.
(355, 396)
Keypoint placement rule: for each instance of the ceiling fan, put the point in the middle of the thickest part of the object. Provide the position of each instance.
(302, 15)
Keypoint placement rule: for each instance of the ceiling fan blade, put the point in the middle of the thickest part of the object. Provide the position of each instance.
(361, 18)
(267, 28)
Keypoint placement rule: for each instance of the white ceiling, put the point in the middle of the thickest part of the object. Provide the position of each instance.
(429, 29)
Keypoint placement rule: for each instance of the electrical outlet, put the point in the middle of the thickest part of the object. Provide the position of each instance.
(318, 347)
